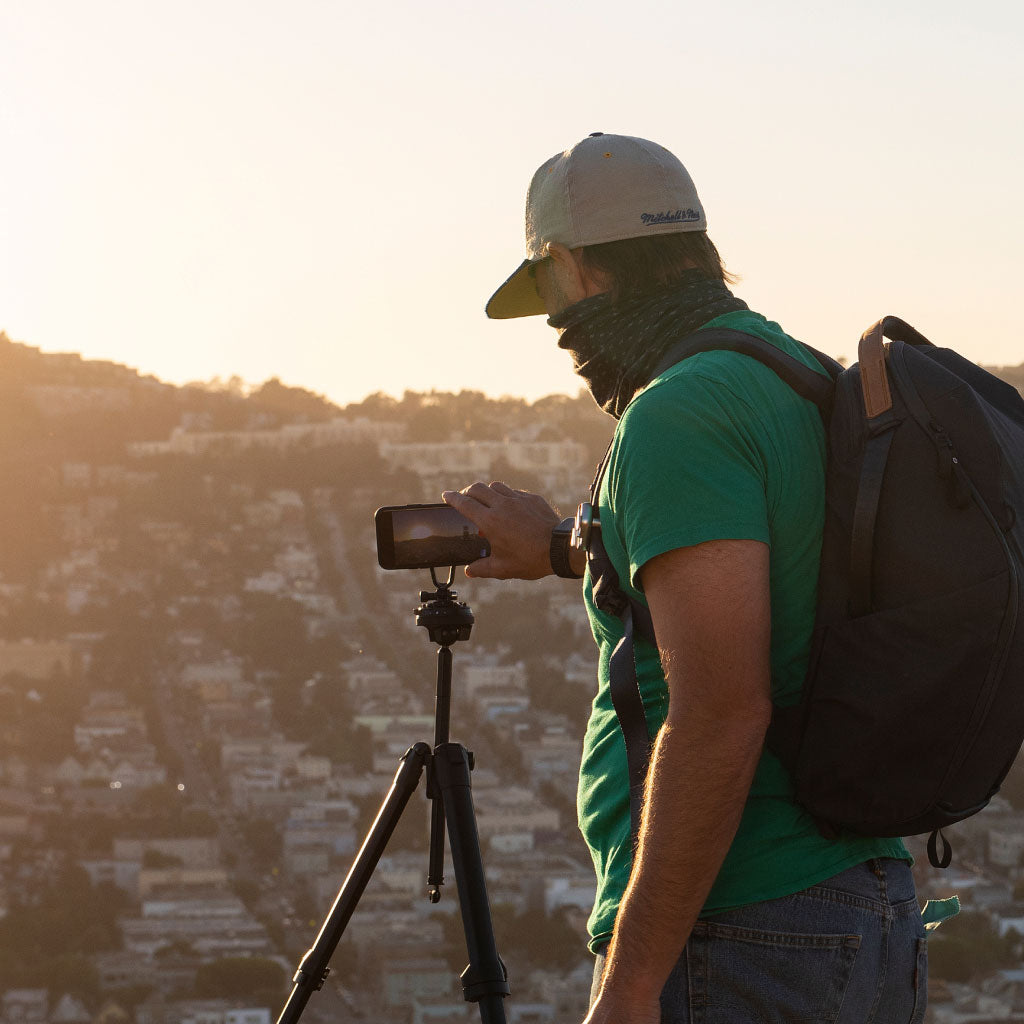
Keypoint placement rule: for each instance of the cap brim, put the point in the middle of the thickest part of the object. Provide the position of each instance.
(517, 296)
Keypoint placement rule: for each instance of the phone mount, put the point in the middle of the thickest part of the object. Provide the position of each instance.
(445, 619)
(448, 766)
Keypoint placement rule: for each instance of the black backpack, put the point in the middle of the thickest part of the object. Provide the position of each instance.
(912, 710)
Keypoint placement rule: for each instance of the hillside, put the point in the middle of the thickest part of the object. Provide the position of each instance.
(206, 682)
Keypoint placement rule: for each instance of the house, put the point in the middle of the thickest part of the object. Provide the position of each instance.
(200, 1011)
(260, 752)
(420, 977)
(122, 873)
(370, 677)
(447, 1011)
(109, 721)
(69, 1011)
(226, 671)
(570, 889)
(495, 702)
(551, 752)
(339, 430)
(213, 926)
(512, 810)
(154, 881)
(490, 674)
(24, 1006)
(560, 465)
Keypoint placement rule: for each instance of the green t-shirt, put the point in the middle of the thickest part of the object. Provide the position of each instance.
(717, 447)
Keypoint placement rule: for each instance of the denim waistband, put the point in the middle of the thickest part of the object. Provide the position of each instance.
(886, 880)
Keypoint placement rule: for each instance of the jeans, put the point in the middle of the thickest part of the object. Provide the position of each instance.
(850, 950)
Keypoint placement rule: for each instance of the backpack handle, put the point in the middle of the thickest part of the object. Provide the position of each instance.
(874, 381)
(899, 330)
(871, 354)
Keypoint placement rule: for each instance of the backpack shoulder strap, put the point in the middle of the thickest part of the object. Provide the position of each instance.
(609, 596)
(803, 379)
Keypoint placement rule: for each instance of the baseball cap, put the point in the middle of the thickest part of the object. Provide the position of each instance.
(603, 189)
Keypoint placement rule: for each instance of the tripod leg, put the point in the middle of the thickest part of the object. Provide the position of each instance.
(442, 724)
(435, 867)
(485, 980)
(313, 969)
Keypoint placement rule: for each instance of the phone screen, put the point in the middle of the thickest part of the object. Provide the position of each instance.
(426, 536)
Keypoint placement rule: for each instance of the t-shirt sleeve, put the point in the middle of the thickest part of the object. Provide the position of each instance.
(688, 467)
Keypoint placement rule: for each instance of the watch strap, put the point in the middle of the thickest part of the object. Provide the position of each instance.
(558, 551)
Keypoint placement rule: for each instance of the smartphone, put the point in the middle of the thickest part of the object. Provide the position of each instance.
(426, 536)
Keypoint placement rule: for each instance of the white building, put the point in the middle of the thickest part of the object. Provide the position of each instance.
(291, 436)
(561, 466)
(370, 677)
(218, 926)
(512, 810)
(490, 674)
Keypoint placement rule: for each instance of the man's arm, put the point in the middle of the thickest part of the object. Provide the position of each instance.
(711, 610)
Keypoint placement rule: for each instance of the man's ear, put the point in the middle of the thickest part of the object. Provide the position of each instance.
(595, 281)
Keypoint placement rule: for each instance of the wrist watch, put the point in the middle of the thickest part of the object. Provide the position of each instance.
(559, 550)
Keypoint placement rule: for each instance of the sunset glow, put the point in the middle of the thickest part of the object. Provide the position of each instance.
(328, 193)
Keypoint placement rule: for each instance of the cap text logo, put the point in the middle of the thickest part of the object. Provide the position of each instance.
(673, 217)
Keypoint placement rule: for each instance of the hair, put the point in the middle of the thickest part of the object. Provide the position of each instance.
(637, 266)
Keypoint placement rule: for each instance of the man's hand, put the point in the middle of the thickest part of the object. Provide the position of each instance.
(517, 523)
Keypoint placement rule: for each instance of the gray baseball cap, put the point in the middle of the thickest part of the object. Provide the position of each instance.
(603, 189)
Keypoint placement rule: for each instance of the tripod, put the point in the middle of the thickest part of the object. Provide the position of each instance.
(447, 765)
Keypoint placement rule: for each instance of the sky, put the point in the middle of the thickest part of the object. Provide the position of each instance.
(328, 192)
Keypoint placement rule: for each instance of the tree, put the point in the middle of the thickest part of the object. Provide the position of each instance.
(274, 634)
(247, 890)
(74, 974)
(292, 403)
(262, 839)
(70, 917)
(378, 406)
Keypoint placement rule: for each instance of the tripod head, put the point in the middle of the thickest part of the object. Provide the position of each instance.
(446, 619)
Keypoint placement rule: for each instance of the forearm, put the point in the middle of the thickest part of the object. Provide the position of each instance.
(701, 772)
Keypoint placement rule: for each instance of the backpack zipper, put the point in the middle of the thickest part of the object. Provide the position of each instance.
(950, 468)
(961, 484)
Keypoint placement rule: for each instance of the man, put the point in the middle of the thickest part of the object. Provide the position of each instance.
(734, 907)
